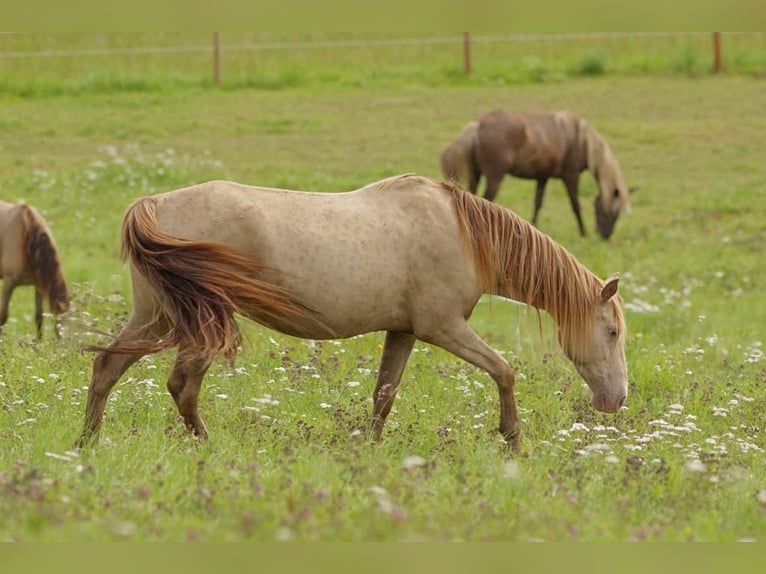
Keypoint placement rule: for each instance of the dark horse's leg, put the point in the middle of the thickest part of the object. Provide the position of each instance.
(571, 184)
(539, 193)
(184, 385)
(39, 314)
(473, 182)
(458, 338)
(396, 351)
(474, 175)
(493, 185)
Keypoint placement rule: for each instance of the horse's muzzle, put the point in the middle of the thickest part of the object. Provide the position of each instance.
(608, 403)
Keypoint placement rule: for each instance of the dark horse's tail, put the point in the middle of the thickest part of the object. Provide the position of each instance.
(200, 285)
(43, 261)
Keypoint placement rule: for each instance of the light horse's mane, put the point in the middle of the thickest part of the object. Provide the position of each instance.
(43, 260)
(513, 259)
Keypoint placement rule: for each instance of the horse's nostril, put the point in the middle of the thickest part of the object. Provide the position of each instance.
(622, 402)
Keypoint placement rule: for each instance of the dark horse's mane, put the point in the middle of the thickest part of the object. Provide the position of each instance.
(515, 260)
(43, 261)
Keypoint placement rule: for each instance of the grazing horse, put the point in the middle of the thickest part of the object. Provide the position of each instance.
(407, 255)
(28, 256)
(539, 147)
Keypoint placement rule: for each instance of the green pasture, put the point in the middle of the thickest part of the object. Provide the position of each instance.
(288, 457)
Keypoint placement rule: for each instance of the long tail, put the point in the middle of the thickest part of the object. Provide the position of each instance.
(43, 261)
(201, 285)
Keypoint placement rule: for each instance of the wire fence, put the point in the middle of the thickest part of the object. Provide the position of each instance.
(285, 59)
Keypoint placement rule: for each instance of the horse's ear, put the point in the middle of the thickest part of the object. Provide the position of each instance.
(609, 289)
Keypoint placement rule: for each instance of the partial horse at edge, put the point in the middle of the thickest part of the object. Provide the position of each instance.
(28, 256)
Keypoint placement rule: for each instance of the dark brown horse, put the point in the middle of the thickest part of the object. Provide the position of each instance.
(407, 255)
(558, 145)
(28, 256)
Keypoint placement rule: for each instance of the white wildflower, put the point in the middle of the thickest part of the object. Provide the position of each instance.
(511, 469)
(695, 465)
(413, 461)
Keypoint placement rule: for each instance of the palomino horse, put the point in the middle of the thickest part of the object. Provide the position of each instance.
(407, 255)
(539, 147)
(28, 256)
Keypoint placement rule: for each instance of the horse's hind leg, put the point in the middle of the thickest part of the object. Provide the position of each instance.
(39, 314)
(458, 338)
(571, 184)
(184, 385)
(396, 351)
(107, 369)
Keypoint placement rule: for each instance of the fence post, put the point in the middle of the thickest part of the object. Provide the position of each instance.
(467, 53)
(217, 58)
(717, 61)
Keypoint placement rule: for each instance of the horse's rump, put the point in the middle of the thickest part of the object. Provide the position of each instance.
(200, 286)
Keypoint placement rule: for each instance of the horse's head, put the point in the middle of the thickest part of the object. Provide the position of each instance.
(599, 355)
(607, 211)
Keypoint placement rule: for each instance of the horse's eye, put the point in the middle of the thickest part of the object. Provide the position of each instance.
(613, 332)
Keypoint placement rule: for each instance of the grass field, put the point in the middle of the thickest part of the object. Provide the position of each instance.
(288, 457)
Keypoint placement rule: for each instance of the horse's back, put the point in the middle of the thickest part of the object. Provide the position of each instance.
(359, 258)
(527, 145)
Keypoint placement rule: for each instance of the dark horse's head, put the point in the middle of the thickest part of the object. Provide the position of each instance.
(606, 218)
(608, 210)
(614, 196)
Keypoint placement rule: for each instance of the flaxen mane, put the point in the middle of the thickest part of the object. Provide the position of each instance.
(43, 261)
(515, 260)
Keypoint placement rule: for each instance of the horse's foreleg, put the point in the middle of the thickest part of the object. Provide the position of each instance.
(459, 339)
(184, 386)
(539, 193)
(493, 185)
(396, 351)
(39, 314)
(473, 180)
(571, 184)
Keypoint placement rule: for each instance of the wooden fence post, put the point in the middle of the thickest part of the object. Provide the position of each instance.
(467, 53)
(717, 61)
(217, 58)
